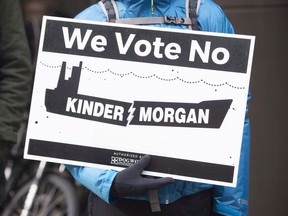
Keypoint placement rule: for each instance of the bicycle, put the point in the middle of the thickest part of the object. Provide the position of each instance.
(36, 188)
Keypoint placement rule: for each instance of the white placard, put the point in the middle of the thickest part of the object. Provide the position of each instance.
(106, 94)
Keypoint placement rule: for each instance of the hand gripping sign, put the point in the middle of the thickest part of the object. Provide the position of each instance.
(106, 94)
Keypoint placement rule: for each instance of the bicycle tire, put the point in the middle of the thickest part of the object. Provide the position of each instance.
(56, 196)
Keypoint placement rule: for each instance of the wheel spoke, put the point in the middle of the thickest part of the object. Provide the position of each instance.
(54, 197)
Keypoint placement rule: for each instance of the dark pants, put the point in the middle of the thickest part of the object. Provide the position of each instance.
(199, 204)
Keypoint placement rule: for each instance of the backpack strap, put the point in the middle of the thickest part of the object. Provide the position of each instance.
(110, 9)
(193, 6)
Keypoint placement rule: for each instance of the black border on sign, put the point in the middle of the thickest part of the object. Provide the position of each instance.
(194, 169)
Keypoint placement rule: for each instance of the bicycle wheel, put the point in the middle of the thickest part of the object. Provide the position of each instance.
(56, 196)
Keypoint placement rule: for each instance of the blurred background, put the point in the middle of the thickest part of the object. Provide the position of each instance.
(268, 21)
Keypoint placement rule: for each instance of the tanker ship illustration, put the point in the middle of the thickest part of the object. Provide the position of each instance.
(65, 100)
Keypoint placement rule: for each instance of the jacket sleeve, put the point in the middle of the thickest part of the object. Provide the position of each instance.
(234, 201)
(96, 180)
(15, 70)
(228, 200)
(212, 18)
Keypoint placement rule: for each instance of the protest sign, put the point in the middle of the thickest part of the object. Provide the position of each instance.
(106, 94)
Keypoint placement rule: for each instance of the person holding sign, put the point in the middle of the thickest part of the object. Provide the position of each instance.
(127, 192)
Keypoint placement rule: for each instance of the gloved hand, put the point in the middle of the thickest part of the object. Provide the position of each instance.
(129, 182)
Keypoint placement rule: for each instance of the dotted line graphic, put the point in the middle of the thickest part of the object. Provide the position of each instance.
(50, 66)
(151, 76)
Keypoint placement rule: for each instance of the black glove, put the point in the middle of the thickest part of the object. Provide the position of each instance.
(129, 182)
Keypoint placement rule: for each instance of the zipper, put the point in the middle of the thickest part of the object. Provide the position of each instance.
(152, 7)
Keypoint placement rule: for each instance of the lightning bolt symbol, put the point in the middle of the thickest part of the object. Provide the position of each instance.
(131, 112)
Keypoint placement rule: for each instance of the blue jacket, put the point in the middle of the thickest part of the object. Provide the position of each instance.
(227, 200)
